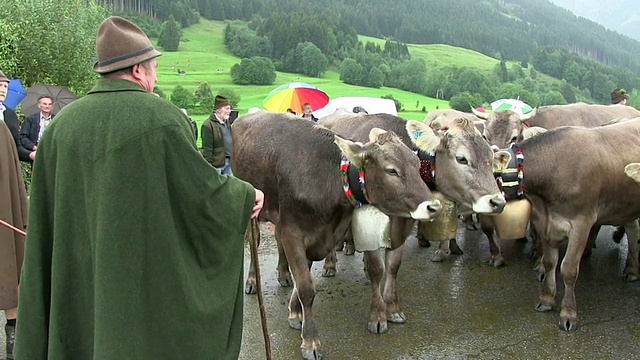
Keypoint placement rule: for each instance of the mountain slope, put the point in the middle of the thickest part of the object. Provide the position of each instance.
(622, 16)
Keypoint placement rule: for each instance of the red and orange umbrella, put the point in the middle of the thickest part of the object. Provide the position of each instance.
(293, 95)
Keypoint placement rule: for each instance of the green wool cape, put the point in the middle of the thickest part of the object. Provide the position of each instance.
(135, 244)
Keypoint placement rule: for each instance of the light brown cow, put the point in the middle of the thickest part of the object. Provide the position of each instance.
(575, 182)
(298, 166)
(443, 118)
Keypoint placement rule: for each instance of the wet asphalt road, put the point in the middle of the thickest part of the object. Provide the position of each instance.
(459, 309)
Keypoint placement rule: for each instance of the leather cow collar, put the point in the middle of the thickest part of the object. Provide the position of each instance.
(353, 183)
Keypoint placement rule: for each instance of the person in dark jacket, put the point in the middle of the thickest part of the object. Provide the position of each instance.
(307, 112)
(34, 124)
(216, 137)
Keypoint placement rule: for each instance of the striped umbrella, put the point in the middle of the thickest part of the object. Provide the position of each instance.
(293, 95)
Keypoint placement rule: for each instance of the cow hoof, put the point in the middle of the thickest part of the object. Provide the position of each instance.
(439, 256)
(496, 263)
(543, 307)
(250, 286)
(329, 273)
(397, 318)
(568, 324)
(311, 354)
(285, 281)
(295, 323)
(629, 277)
(350, 249)
(455, 249)
(424, 243)
(378, 327)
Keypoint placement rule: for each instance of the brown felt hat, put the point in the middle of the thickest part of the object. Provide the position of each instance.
(618, 95)
(121, 44)
(220, 102)
(3, 77)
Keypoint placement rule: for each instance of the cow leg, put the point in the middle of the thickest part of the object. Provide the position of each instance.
(330, 264)
(400, 229)
(393, 258)
(374, 267)
(250, 284)
(591, 241)
(350, 247)
(284, 275)
(633, 234)
(548, 276)
(570, 268)
(486, 223)
(422, 241)
(301, 302)
(442, 252)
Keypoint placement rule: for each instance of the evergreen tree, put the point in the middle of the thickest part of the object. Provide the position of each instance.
(169, 38)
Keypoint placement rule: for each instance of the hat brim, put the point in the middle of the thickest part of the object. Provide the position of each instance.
(103, 67)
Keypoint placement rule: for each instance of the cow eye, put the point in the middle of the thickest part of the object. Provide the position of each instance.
(392, 171)
(514, 139)
(485, 138)
(461, 160)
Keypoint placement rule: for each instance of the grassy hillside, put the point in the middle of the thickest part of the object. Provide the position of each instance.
(203, 56)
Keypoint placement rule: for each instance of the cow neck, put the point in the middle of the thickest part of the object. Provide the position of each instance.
(427, 167)
(511, 179)
(353, 183)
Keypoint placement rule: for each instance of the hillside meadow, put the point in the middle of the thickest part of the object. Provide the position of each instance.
(203, 57)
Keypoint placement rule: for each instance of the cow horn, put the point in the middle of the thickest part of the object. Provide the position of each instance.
(480, 114)
(532, 131)
(529, 115)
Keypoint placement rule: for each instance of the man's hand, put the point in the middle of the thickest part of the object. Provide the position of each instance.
(257, 206)
(32, 155)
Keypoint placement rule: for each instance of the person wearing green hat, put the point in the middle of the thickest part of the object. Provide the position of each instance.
(216, 136)
(135, 245)
(13, 211)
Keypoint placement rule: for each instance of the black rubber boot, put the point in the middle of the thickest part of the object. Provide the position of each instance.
(11, 339)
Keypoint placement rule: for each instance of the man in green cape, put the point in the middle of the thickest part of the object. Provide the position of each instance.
(135, 244)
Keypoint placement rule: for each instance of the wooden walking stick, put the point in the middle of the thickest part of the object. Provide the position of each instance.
(6, 224)
(253, 245)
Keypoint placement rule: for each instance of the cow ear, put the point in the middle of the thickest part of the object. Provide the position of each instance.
(532, 131)
(422, 135)
(501, 160)
(374, 133)
(633, 171)
(352, 150)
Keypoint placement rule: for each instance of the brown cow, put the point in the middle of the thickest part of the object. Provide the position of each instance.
(463, 163)
(299, 168)
(575, 182)
(443, 118)
(506, 127)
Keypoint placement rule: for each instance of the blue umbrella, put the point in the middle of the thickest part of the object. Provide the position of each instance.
(15, 94)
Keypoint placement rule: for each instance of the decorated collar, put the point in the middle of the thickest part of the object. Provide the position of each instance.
(511, 179)
(353, 183)
(427, 167)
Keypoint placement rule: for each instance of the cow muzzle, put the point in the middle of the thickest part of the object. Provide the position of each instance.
(427, 210)
(489, 204)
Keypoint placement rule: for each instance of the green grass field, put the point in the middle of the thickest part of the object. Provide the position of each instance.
(204, 57)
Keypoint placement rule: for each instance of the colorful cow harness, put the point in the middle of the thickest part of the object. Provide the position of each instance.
(427, 167)
(511, 178)
(353, 183)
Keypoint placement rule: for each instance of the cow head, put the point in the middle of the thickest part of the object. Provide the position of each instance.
(504, 127)
(464, 164)
(392, 175)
